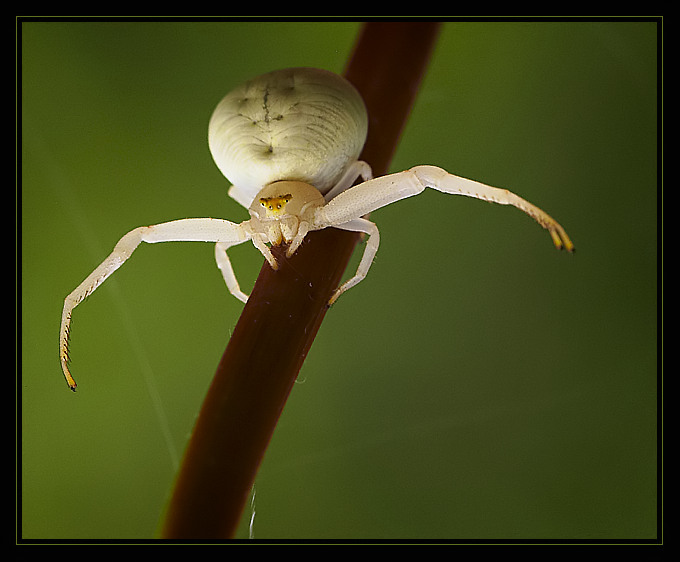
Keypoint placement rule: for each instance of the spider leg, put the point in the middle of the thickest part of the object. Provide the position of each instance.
(378, 192)
(343, 210)
(185, 230)
(372, 242)
(361, 199)
(441, 180)
(358, 168)
(241, 197)
(224, 264)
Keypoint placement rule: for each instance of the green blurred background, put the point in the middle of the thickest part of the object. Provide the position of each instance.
(478, 384)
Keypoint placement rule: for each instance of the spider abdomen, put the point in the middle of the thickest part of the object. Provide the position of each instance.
(302, 124)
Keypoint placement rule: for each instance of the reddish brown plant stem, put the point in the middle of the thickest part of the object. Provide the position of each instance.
(286, 307)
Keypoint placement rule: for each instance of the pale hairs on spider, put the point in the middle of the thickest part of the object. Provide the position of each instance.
(289, 141)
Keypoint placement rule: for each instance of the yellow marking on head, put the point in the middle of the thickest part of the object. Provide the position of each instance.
(275, 206)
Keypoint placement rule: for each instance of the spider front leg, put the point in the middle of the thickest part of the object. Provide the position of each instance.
(344, 210)
(441, 180)
(185, 230)
(379, 192)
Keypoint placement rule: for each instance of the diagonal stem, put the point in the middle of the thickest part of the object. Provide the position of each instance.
(285, 309)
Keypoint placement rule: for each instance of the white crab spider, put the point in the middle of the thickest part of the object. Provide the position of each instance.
(289, 141)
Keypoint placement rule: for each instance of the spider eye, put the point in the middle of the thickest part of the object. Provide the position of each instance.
(275, 205)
